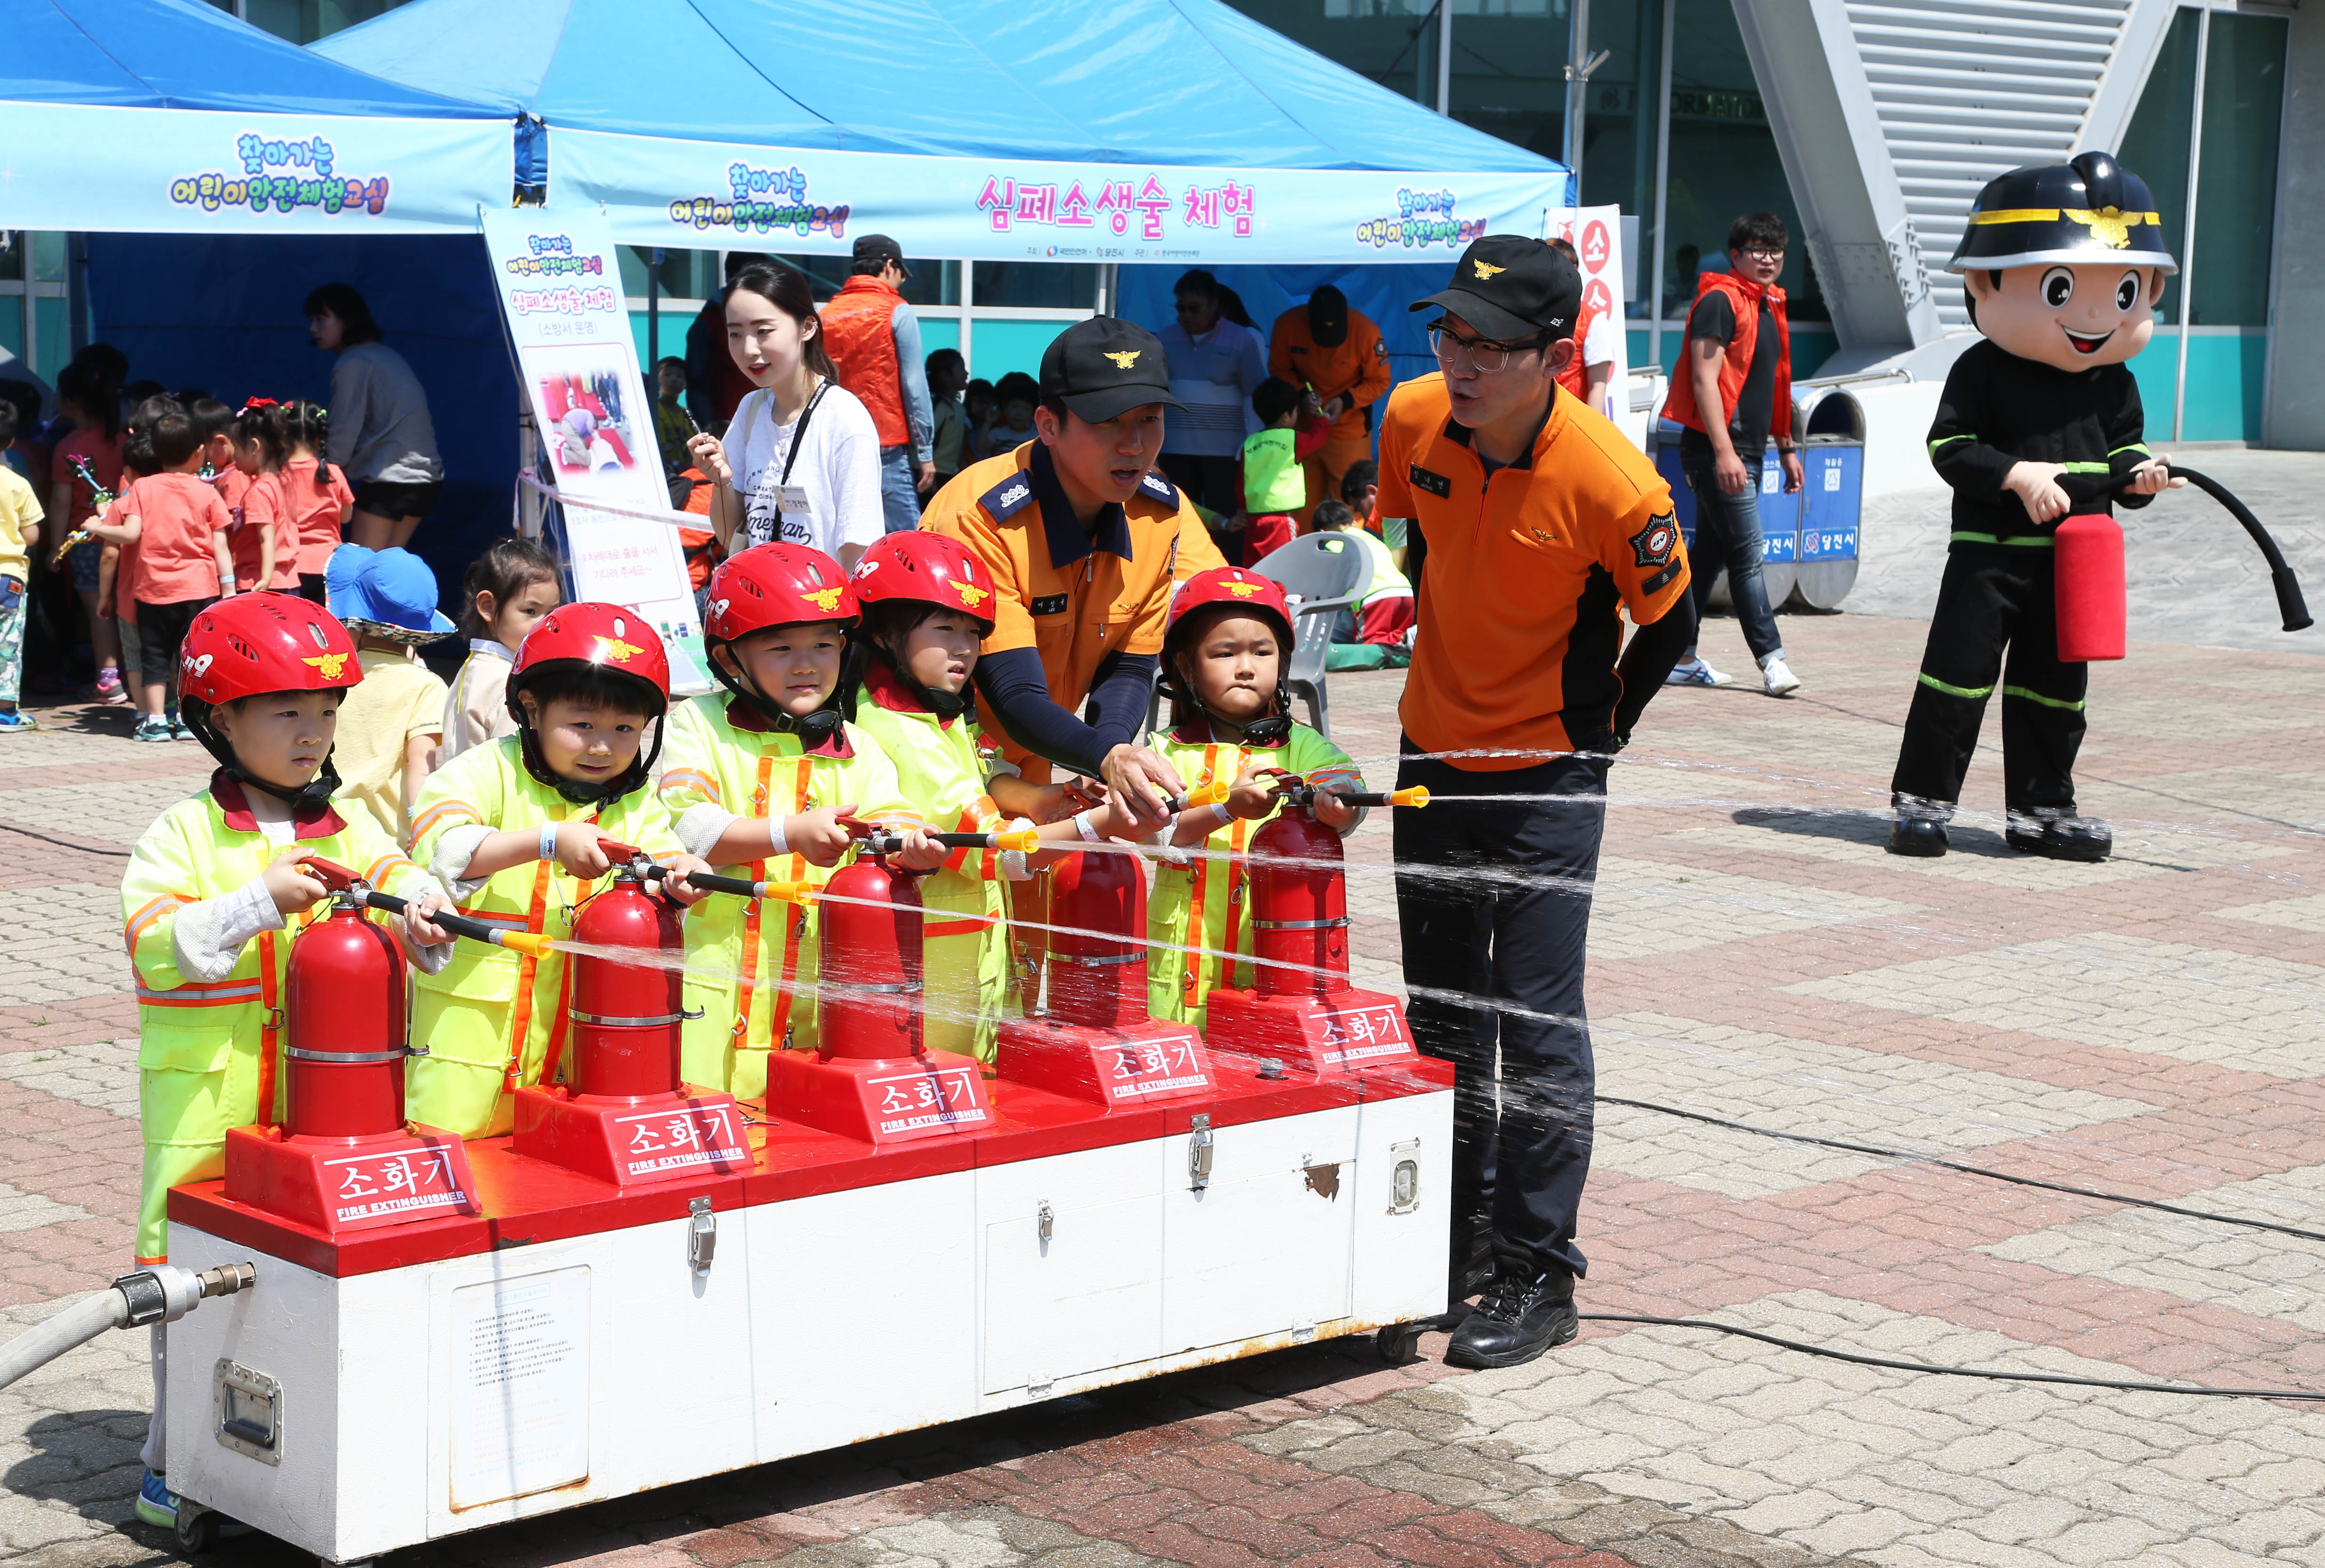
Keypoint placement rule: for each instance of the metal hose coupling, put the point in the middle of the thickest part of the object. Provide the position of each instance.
(164, 1294)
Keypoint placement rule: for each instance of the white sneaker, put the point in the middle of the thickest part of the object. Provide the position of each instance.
(1778, 676)
(1695, 673)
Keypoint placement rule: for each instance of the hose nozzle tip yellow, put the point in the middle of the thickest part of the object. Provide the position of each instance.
(530, 943)
(1415, 796)
(1025, 840)
(791, 892)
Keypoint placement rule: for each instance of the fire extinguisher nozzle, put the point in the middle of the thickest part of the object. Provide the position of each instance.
(530, 943)
(1417, 796)
(1024, 841)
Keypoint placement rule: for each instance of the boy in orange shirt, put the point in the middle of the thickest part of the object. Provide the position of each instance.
(184, 562)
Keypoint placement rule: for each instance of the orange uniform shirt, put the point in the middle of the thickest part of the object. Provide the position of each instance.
(1358, 365)
(176, 516)
(1522, 576)
(1072, 596)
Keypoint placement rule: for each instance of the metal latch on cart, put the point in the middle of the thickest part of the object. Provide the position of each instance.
(247, 1409)
(701, 1236)
(1199, 1155)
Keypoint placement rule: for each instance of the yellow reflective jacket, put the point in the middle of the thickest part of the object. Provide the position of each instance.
(752, 964)
(965, 952)
(1202, 904)
(491, 1008)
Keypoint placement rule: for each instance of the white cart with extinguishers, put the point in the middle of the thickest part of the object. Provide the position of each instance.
(622, 1295)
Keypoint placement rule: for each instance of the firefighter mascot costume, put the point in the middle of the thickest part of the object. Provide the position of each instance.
(2061, 265)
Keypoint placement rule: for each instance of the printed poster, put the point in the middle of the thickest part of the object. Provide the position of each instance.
(561, 289)
(1597, 235)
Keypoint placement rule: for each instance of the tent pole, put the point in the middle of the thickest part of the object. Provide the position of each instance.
(1109, 288)
(1445, 57)
(1662, 185)
(967, 311)
(1578, 85)
(654, 310)
(2188, 229)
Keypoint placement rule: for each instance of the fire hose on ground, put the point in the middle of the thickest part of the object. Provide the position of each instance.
(160, 1294)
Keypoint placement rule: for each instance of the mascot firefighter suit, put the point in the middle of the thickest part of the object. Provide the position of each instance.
(2061, 265)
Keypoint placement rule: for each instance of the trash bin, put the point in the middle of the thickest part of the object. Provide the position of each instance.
(1832, 452)
(1780, 530)
(1667, 434)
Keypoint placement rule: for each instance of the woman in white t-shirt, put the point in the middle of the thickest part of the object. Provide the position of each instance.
(800, 461)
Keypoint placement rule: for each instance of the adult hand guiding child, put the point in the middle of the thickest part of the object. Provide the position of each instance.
(1531, 520)
(1081, 539)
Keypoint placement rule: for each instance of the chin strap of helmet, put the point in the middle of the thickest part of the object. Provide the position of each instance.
(1272, 730)
(815, 730)
(316, 792)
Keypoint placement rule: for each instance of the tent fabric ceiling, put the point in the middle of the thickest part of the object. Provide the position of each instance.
(1164, 82)
(187, 54)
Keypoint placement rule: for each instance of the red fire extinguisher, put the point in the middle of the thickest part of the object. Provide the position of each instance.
(627, 1018)
(1098, 957)
(869, 956)
(2090, 596)
(343, 1020)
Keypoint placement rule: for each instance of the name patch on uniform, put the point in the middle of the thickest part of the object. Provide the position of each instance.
(1437, 485)
(1161, 488)
(1653, 545)
(1054, 605)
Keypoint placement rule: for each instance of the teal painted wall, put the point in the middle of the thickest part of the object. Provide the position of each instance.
(2225, 372)
(1004, 346)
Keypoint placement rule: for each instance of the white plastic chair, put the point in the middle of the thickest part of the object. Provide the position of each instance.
(1320, 573)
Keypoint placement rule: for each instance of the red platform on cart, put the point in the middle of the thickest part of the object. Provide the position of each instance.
(526, 1201)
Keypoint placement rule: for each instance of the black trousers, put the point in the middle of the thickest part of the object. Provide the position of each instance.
(1996, 623)
(1728, 535)
(1495, 969)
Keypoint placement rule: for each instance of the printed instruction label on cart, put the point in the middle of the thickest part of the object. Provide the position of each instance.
(926, 1098)
(1147, 1068)
(690, 1138)
(393, 1186)
(1365, 1033)
(520, 1395)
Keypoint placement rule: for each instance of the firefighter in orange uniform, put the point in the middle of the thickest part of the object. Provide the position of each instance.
(1337, 356)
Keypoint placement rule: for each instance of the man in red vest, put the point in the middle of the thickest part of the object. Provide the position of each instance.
(1732, 392)
(875, 339)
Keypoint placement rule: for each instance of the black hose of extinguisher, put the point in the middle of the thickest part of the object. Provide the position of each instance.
(458, 924)
(710, 882)
(2289, 605)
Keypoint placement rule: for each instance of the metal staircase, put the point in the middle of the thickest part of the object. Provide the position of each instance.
(1891, 114)
(1972, 89)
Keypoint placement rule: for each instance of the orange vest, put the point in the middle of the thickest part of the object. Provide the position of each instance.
(1571, 378)
(1746, 299)
(859, 335)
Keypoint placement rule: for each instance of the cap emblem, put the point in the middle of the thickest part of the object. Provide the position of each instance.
(2110, 227)
(1485, 270)
(329, 664)
(826, 599)
(970, 595)
(1125, 357)
(620, 652)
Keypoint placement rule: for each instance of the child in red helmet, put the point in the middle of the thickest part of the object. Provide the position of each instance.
(927, 604)
(513, 828)
(214, 889)
(763, 782)
(1223, 661)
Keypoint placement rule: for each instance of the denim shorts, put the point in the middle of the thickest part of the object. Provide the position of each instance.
(84, 559)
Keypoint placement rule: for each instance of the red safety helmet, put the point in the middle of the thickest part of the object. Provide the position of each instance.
(776, 585)
(916, 567)
(254, 644)
(1246, 590)
(615, 640)
(1247, 593)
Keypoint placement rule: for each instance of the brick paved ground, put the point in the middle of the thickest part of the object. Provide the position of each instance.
(2148, 1026)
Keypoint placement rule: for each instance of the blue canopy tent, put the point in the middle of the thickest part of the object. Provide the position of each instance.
(220, 173)
(1147, 135)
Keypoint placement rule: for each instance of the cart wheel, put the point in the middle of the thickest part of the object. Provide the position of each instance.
(197, 1528)
(1397, 1341)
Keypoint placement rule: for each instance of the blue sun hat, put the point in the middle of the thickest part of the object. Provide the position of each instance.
(385, 593)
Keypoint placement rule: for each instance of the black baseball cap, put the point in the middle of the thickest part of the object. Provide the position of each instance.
(1506, 286)
(1328, 317)
(877, 249)
(1105, 366)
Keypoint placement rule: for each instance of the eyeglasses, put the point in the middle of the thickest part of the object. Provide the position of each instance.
(1762, 253)
(1478, 353)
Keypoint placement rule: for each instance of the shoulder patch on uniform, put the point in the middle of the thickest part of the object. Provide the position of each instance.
(1161, 488)
(1298, 348)
(1437, 485)
(1008, 498)
(1054, 605)
(1653, 545)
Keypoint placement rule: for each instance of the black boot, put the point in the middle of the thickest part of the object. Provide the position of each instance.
(1528, 1308)
(2056, 833)
(1920, 829)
